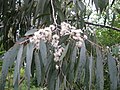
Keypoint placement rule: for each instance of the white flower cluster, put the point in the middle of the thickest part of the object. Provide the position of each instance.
(67, 29)
(58, 53)
(42, 34)
(55, 40)
(49, 34)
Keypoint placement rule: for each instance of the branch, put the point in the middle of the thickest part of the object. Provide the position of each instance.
(103, 26)
(53, 12)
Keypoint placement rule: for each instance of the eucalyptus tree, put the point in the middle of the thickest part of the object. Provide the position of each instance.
(54, 41)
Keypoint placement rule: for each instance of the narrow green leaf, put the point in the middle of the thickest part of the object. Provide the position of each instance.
(64, 52)
(40, 6)
(29, 55)
(96, 4)
(57, 83)
(63, 39)
(113, 19)
(38, 67)
(30, 32)
(16, 77)
(90, 71)
(9, 58)
(81, 62)
(99, 70)
(51, 80)
(112, 71)
(81, 5)
(86, 79)
(43, 52)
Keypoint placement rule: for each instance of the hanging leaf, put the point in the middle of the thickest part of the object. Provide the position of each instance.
(43, 52)
(64, 52)
(38, 67)
(86, 79)
(99, 70)
(96, 4)
(113, 19)
(29, 55)
(112, 71)
(9, 58)
(57, 83)
(90, 71)
(51, 80)
(81, 5)
(73, 56)
(63, 39)
(30, 32)
(16, 77)
(81, 62)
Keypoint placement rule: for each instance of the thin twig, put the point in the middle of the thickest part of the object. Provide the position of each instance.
(53, 12)
(103, 26)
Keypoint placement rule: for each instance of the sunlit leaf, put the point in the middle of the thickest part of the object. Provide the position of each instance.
(112, 71)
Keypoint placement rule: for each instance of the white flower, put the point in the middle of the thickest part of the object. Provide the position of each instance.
(55, 36)
(65, 25)
(56, 59)
(75, 37)
(52, 27)
(55, 42)
(31, 39)
(80, 39)
(34, 37)
(36, 34)
(56, 66)
(85, 37)
(79, 44)
(73, 12)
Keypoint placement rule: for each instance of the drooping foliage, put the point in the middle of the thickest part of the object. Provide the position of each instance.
(55, 44)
